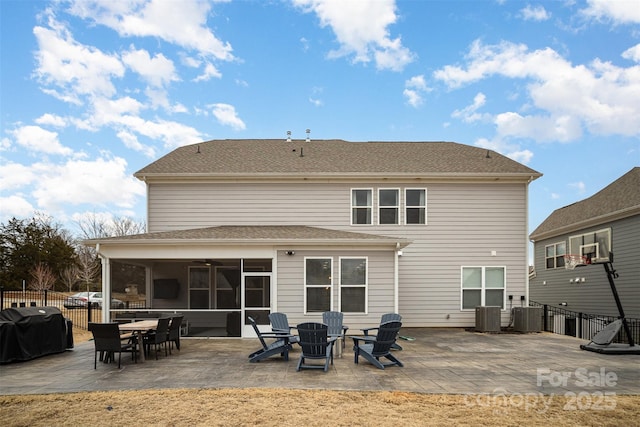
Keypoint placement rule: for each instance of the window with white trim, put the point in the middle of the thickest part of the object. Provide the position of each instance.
(483, 286)
(361, 206)
(415, 205)
(318, 284)
(554, 255)
(388, 206)
(353, 285)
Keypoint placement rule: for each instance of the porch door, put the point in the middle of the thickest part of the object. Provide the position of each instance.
(256, 300)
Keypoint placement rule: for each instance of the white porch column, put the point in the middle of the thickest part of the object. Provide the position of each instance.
(106, 288)
(398, 252)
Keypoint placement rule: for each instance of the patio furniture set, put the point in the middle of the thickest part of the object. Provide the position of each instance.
(137, 338)
(318, 340)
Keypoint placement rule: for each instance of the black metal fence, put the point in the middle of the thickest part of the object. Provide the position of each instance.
(80, 315)
(582, 325)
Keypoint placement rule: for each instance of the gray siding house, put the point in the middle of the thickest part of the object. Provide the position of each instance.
(612, 217)
(241, 228)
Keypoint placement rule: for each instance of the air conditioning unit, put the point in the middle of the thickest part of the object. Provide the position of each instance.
(527, 319)
(488, 319)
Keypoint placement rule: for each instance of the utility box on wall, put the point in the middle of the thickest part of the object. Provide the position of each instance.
(487, 319)
(527, 319)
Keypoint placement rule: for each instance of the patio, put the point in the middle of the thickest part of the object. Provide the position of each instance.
(440, 360)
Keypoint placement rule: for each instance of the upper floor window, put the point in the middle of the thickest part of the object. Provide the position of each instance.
(389, 205)
(416, 206)
(353, 285)
(483, 286)
(361, 206)
(554, 255)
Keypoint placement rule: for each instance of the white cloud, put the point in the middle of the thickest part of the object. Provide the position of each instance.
(15, 175)
(210, 71)
(39, 140)
(599, 96)
(414, 88)
(227, 116)
(361, 29)
(157, 71)
(101, 182)
(618, 11)
(48, 119)
(535, 13)
(183, 23)
(74, 68)
(469, 114)
(15, 206)
(633, 53)
(131, 141)
(316, 102)
(513, 151)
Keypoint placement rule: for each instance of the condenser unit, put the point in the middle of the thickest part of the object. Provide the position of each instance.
(527, 319)
(488, 319)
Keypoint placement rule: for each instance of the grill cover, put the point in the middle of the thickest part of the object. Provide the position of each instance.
(30, 332)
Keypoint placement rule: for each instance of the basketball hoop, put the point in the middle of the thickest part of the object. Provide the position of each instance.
(573, 261)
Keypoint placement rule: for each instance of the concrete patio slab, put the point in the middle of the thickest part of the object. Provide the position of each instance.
(440, 360)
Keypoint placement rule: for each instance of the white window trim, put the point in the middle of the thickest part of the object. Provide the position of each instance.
(483, 288)
(316, 286)
(406, 205)
(365, 286)
(555, 255)
(354, 206)
(398, 206)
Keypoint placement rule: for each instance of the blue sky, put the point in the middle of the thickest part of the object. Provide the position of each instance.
(93, 90)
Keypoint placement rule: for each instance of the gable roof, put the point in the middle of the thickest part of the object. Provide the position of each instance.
(619, 199)
(255, 235)
(279, 158)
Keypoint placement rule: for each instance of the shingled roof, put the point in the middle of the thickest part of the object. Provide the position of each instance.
(277, 234)
(619, 199)
(281, 158)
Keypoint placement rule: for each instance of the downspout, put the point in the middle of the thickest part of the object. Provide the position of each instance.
(397, 252)
(526, 228)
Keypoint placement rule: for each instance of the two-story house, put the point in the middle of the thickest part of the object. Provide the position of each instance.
(241, 228)
(608, 221)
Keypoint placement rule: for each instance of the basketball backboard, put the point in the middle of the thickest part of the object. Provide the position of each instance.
(594, 245)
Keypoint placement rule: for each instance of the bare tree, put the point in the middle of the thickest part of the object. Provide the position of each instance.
(123, 226)
(89, 265)
(42, 276)
(70, 275)
(94, 226)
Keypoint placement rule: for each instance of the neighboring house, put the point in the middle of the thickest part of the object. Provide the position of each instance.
(241, 228)
(608, 221)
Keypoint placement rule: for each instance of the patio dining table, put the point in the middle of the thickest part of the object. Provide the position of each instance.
(138, 329)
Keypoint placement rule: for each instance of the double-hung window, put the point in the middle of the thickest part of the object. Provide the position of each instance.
(416, 205)
(318, 283)
(389, 206)
(353, 285)
(483, 286)
(554, 255)
(361, 206)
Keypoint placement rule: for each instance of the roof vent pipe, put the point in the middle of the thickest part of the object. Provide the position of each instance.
(308, 131)
(288, 136)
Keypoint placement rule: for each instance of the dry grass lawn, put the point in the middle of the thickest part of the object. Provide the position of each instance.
(271, 407)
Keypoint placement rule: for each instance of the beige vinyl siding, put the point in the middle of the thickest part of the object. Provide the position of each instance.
(380, 285)
(465, 222)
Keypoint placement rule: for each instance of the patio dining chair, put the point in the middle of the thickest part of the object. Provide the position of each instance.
(108, 341)
(316, 344)
(173, 335)
(387, 317)
(158, 337)
(335, 327)
(374, 348)
(281, 345)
